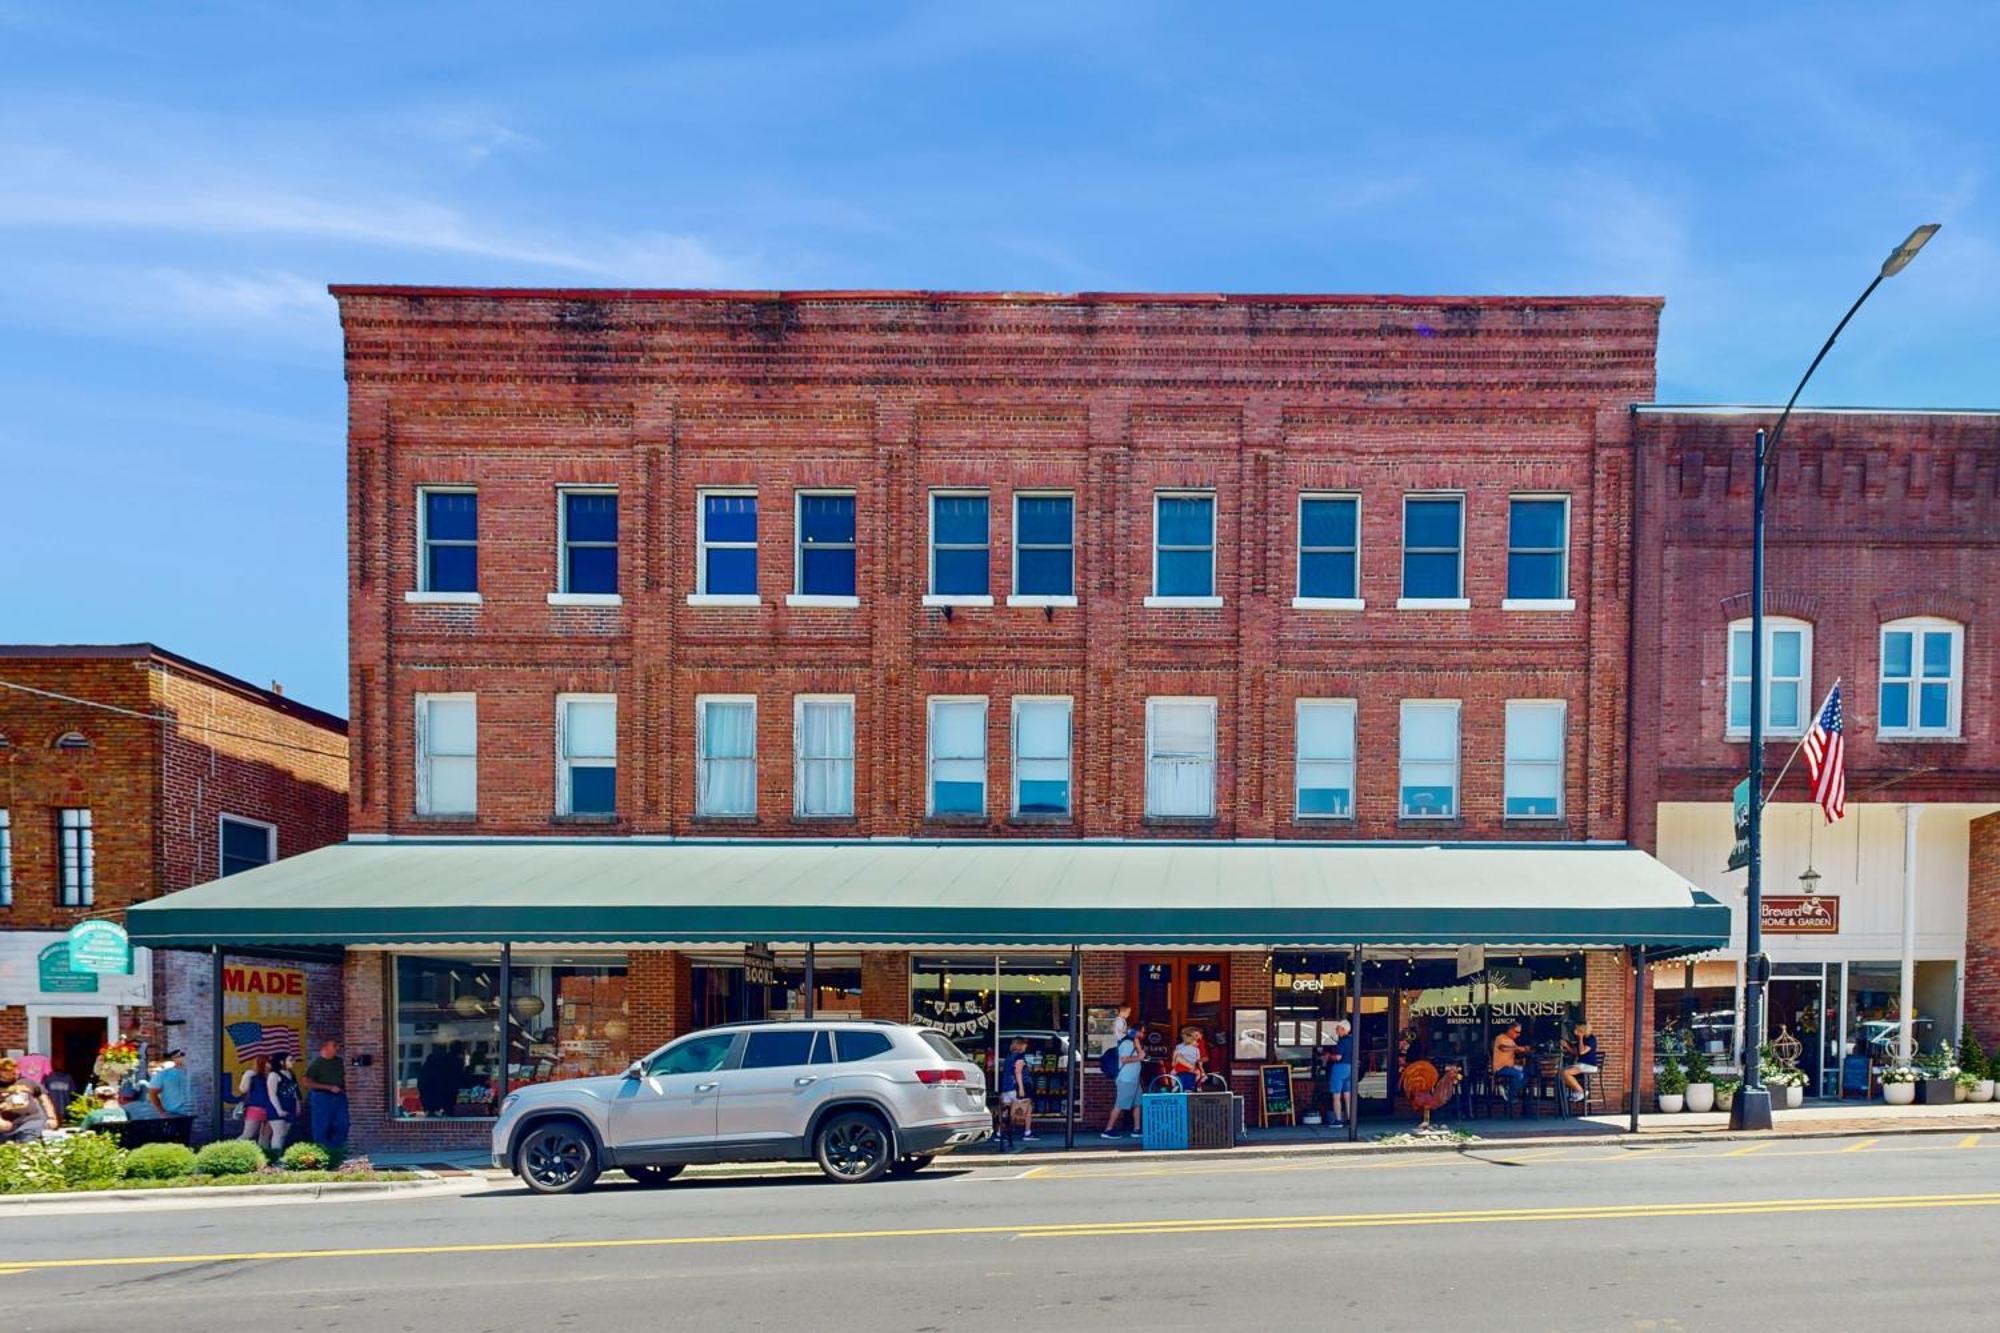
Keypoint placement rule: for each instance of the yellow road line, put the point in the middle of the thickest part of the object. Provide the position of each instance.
(1745, 1152)
(1863, 1146)
(1059, 1231)
(1969, 1141)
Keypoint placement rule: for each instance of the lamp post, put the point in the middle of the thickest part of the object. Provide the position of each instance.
(1752, 1107)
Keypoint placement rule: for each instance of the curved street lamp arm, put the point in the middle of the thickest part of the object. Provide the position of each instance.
(1778, 431)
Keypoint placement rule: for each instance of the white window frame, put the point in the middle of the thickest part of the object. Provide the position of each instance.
(798, 595)
(1068, 755)
(1300, 600)
(701, 596)
(565, 762)
(931, 755)
(1917, 627)
(1015, 597)
(423, 592)
(1734, 671)
(1207, 702)
(562, 596)
(78, 889)
(932, 597)
(1560, 707)
(1457, 602)
(800, 759)
(1565, 600)
(423, 804)
(270, 836)
(1213, 598)
(1300, 707)
(1404, 759)
(6, 857)
(702, 759)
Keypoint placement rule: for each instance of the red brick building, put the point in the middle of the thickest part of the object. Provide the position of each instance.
(1884, 535)
(128, 772)
(679, 570)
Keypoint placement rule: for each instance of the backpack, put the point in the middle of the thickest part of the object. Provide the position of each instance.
(1107, 1064)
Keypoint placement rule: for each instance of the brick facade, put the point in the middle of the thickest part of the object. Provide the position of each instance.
(1982, 932)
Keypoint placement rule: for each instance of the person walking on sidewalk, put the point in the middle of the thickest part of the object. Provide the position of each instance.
(1130, 1060)
(326, 1081)
(1017, 1098)
(1339, 1077)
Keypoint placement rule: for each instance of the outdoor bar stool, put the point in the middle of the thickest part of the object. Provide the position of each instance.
(1589, 1082)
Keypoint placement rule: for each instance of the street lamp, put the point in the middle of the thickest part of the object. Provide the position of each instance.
(1752, 1107)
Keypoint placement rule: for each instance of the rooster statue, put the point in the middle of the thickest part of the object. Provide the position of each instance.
(1427, 1090)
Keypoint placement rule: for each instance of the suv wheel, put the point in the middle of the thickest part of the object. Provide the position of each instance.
(653, 1176)
(853, 1147)
(909, 1166)
(556, 1157)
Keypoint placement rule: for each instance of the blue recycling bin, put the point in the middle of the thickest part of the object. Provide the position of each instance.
(1163, 1121)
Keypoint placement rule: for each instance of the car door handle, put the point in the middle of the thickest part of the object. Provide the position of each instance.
(807, 1081)
(706, 1087)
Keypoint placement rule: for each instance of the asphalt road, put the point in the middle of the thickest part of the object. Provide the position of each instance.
(1822, 1234)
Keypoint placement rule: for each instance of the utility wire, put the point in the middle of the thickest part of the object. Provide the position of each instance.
(182, 723)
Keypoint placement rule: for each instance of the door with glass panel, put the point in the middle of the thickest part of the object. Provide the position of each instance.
(768, 1097)
(1169, 994)
(671, 1105)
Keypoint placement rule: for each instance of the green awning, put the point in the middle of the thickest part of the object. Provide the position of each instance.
(956, 894)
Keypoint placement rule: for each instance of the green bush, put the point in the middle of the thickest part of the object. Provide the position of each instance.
(70, 1162)
(1695, 1062)
(159, 1161)
(229, 1157)
(88, 1159)
(310, 1157)
(1672, 1080)
(1972, 1056)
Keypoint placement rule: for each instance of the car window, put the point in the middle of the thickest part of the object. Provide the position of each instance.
(944, 1046)
(768, 1050)
(696, 1055)
(852, 1046)
(822, 1052)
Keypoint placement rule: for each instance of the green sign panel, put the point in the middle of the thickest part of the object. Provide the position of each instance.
(57, 976)
(1739, 855)
(100, 946)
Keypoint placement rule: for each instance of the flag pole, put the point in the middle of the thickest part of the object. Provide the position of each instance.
(1762, 799)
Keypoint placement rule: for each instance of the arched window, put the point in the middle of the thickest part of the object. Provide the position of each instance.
(1787, 676)
(72, 740)
(1922, 661)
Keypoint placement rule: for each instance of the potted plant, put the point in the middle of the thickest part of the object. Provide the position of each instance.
(1725, 1093)
(1899, 1085)
(1974, 1065)
(1671, 1085)
(1787, 1084)
(1937, 1084)
(1700, 1088)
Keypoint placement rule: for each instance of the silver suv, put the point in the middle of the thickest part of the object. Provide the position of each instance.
(860, 1098)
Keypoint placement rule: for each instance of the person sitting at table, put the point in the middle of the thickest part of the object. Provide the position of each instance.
(1583, 1059)
(1189, 1064)
(1510, 1075)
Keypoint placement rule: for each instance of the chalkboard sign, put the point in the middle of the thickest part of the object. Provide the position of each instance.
(1855, 1074)
(1274, 1082)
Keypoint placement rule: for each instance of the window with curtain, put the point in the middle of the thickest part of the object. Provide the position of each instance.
(824, 782)
(450, 541)
(1041, 756)
(1538, 548)
(1921, 660)
(1787, 675)
(1433, 547)
(826, 544)
(245, 844)
(1044, 545)
(958, 756)
(1429, 759)
(728, 542)
(960, 544)
(589, 542)
(1329, 547)
(1184, 545)
(447, 754)
(1325, 759)
(1180, 758)
(726, 780)
(1534, 758)
(77, 852)
(587, 741)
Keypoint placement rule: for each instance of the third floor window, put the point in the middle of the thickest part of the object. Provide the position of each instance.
(450, 541)
(1044, 545)
(1329, 547)
(727, 558)
(826, 544)
(589, 539)
(961, 544)
(1433, 547)
(1183, 545)
(1538, 548)
(78, 855)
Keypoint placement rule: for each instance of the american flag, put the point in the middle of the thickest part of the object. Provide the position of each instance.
(1826, 759)
(254, 1039)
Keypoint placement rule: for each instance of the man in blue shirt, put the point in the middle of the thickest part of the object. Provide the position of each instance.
(1131, 1060)
(168, 1089)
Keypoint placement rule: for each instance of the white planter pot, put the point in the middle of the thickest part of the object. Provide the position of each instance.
(1701, 1097)
(1982, 1091)
(1960, 1092)
(1671, 1102)
(1899, 1094)
(1795, 1097)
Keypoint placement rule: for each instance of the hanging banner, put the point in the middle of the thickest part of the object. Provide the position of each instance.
(1739, 801)
(954, 1018)
(263, 1013)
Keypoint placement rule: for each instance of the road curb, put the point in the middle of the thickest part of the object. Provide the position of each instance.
(314, 1190)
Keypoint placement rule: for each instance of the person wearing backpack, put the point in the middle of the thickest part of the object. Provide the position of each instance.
(1129, 1057)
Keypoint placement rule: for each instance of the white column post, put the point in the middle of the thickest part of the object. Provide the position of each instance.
(1906, 1005)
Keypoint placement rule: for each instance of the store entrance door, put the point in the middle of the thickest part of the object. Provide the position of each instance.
(1797, 1007)
(1169, 994)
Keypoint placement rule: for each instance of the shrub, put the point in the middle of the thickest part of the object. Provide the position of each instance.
(159, 1161)
(229, 1157)
(310, 1157)
(88, 1159)
(1695, 1062)
(1672, 1080)
(1972, 1057)
(80, 1106)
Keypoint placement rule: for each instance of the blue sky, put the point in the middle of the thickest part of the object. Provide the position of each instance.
(178, 183)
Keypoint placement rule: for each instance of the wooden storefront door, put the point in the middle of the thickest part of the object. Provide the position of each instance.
(1176, 991)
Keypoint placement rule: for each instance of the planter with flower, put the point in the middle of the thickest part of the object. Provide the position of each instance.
(1700, 1087)
(1725, 1093)
(1937, 1081)
(1671, 1086)
(1899, 1085)
(1976, 1071)
(1786, 1081)
(116, 1062)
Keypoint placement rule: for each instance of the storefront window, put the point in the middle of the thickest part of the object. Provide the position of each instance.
(1874, 1007)
(836, 986)
(983, 1003)
(1696, 1002)
(1308, 996)
(570, 1018)
(447, 1021)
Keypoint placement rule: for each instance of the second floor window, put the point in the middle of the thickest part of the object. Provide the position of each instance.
(246, 844)
(727, 559)
(826, 544)
(6, 859)
(823, 785)
(1325, 759)
(1329, 547)
(1537, 548)
(77, 854)
(590, 542)
(1429, 759)
(1921, 660)
(1534, 758)
(1434, 547)
(447, 754)
(960, 545)
(450, 540)
(1787, 675)
(587, 750)
(1041, 756)
(958, 756)
(726, 780)
(1044, 545)
(1183, 545)
(1180, 758)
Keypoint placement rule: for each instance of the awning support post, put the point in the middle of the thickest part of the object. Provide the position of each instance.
(506, 1018)
(1354, 1042)
(1638, 1028)
(215, 1032)
(1073, 1077)
(812, 984)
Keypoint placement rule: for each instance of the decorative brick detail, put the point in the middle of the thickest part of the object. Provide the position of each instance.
(1982, 931)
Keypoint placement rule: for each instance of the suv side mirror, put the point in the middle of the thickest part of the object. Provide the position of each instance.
(637, 1069)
